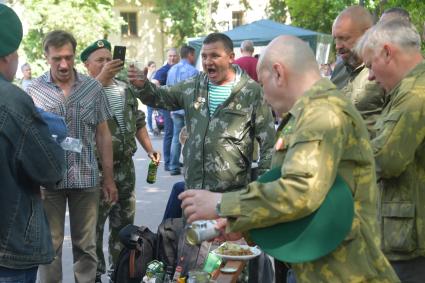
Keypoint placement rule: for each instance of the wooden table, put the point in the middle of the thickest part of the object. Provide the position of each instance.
(221, 277)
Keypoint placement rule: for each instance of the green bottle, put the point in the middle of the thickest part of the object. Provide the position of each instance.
(153, 168)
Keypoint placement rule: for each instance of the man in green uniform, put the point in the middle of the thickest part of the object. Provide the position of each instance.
(128, 122)
(224, 112)
(350, 74)
(392, 52)
(321, 136)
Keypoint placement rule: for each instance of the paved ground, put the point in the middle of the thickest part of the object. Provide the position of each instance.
(151, 201)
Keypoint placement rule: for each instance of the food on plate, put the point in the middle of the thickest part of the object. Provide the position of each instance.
(233, 250)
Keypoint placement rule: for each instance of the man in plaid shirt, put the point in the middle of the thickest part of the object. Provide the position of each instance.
(82, 102)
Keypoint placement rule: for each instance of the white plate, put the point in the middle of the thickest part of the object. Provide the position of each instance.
(255, 252)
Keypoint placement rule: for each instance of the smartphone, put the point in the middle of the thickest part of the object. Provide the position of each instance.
(119, 53)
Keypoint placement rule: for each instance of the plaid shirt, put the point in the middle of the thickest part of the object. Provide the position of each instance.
(84, 108)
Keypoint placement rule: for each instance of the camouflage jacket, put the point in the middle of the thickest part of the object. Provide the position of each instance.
(218, 151)
(399, 149)
(124, 143)
(367, 96)
(323, 135)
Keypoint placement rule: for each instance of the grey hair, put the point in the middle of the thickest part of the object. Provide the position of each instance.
(247, 45)
(397, 31)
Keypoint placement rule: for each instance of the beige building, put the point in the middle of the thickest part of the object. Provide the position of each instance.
(142, 33)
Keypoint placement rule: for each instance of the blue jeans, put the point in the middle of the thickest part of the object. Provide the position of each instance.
(168, 137)
(173, 208)
(18, 275)
(150, 127)
(178, 124)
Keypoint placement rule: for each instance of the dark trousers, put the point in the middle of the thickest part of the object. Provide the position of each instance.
(410, 271)
(18, 275)
(173, 208)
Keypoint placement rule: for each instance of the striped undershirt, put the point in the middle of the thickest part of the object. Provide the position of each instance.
(217, 94)
(116, 102)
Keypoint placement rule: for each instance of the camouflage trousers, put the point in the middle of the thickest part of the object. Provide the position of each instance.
(119, 214)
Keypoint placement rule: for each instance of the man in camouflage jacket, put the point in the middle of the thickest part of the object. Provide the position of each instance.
(392, 52)
(350, 74)
(321, 136)
(127, 123)
(218, 151)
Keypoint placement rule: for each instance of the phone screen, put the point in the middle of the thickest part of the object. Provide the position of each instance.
(119, 53)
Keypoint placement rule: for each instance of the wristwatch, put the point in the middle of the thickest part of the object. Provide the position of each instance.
(218, 208)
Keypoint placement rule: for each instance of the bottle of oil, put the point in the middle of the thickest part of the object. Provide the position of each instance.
(153, 168)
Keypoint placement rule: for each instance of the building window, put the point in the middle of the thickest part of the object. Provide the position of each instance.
(237, 18)
(130, 26)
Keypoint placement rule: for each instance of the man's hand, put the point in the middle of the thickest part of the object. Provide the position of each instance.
(199, 204)
(137, 77)
(110, 192)
(221, 226)
(109, 71)
(155, 156)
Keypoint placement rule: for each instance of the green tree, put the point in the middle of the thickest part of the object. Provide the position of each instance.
(87, 20)
(276, 10)
(316, 15)
(185, 18)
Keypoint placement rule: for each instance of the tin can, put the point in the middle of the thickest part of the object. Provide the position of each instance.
(202, 230)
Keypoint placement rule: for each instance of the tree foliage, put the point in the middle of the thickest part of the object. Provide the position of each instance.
(185, 18)
(276, 10)
(316, 15)
(87, 20)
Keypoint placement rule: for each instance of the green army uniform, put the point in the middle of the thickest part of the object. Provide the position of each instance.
(219, 149)
(367, 96)
(124, 146)
(399, 149)
(323, 135)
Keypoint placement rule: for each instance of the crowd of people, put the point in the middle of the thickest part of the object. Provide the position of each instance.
(362, 122)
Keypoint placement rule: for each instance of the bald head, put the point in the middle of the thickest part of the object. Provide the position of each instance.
(348, 27)
(287, 68)
(290, 51)
(358, 16)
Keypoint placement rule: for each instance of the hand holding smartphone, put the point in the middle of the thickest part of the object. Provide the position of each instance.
(119, 53)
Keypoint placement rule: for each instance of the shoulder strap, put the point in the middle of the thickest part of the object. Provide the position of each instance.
(131, 264)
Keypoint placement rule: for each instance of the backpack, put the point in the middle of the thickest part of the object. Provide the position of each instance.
(138, 251)
(168, 236)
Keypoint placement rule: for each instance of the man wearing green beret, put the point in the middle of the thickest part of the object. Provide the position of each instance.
(29, 158)
(392, 52)
(128, 122)
(321, 136)
(81, 101)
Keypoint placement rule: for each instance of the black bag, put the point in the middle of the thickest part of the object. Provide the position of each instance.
(167, 242)
(139, 250)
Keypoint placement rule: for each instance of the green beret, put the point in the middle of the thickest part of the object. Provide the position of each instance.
(93, 47)
(10, 31)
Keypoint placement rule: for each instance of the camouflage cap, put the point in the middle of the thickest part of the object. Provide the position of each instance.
(98, 44)
(313, 236)
(11, 31)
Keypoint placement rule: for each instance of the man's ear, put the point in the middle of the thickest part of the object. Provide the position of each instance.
(387, 53)
(278, 72)
(232, 57)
